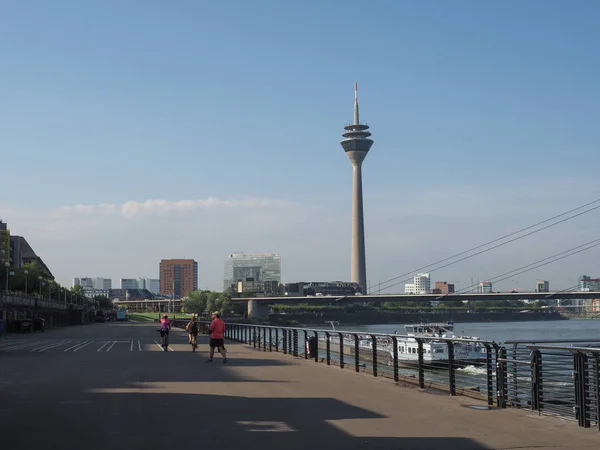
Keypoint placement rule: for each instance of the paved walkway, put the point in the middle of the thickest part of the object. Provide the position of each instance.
(129, 395)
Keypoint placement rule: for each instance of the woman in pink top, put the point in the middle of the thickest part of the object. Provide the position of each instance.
(217, 336)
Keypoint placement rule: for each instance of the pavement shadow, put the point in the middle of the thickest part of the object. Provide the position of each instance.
(158, 420)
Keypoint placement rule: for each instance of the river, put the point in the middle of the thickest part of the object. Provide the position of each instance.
(503, 331)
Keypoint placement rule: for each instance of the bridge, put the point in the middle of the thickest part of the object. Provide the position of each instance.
(110, 386)
(258, 307)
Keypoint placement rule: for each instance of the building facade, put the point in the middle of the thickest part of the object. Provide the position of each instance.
(4, 244)
(485, 287)
(542, 286)
(99, 283)
(442, 287)
(178, 277)
(421, 285)
(251, 267)
(22, 254)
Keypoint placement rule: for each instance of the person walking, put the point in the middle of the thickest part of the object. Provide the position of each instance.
(217, 337)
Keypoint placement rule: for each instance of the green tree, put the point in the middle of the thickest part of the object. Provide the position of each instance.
(195, 302)
(103, 302)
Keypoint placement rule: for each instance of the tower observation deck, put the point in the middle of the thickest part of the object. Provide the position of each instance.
(356, 144)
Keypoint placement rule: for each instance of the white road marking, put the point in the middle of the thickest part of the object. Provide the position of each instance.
(111, 346)
(162, 349)
(131, 348)
(267, 426)
(139, 346)
(104, 345)
(48, 347)
(21, 345)
(79, 348)
(74, 346)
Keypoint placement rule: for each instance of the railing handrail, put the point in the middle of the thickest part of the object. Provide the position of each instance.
(548, 341)
(386, 335)
(562, 347)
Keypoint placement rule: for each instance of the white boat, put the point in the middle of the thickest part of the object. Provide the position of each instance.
(435, 351)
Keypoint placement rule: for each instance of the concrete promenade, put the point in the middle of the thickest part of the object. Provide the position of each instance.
(109, 386)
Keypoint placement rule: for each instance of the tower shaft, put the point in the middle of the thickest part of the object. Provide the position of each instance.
(356, 144)
(358, 265)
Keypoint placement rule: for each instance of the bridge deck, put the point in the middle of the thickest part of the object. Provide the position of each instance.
(109, 386)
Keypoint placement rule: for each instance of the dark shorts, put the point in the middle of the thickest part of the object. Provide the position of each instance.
(163, 332)
(216, 343)
(193, 333)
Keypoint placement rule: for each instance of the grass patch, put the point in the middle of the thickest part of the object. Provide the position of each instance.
(143, 317)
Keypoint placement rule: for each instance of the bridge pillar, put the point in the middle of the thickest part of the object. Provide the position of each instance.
(257, 309)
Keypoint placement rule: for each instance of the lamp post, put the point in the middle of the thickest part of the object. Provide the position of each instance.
(40, 281)
(26, 273)
(7, 264)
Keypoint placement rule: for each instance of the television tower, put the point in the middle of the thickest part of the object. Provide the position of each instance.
(356, 145)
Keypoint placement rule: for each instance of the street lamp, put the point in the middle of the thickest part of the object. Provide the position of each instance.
(40, 281)
(26, 273)
(7, 264)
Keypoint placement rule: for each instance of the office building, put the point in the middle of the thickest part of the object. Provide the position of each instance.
(128, 283)
(421, 285)
(178, 277)
(150, 284)
(251, 267)
(542, 286)
(484, 287)
(99, 283)
(356, 144)
(21, 254)
(442, 287)
(4, 243)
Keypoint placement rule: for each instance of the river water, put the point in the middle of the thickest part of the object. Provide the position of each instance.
(503, 331)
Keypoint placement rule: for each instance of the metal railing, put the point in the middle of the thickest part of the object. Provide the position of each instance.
(7, 300)
(559, 378)
(457, 366)
(554, 377)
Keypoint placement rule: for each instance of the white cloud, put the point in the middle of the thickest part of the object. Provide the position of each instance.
(150, 207)
(403, 233)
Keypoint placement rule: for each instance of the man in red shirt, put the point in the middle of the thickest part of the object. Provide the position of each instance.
(217, 336)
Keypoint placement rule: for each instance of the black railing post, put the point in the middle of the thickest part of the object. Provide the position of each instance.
(581, 389)
(284, 341)
(295, 342)
(276, 339)
(356, 354)
(265, 339)
(328, 348)
(421, 366)
(597, 382)
(501, 376)
(395, 356)
(451, 371)
(316, 346)
(290, 343)
(254, 336)
(489, 374)
(536, 381)
(246, 331)
(341, 350)
(270, 339)
(374, 353)
(306, 347)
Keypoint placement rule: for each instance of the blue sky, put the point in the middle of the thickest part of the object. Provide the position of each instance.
(484, 116)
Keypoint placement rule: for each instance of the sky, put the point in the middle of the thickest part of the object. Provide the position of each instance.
(132, 131)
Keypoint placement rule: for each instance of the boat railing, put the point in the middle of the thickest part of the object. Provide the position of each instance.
(556, 377)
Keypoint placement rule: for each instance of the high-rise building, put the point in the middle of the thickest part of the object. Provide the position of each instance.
(150, 284)
(356, 144)
(99, 283)
(251, 267)
(542, 286)
(484, 287)
(178, 277)
(4, 244)
(421, 284)
(129, 283)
